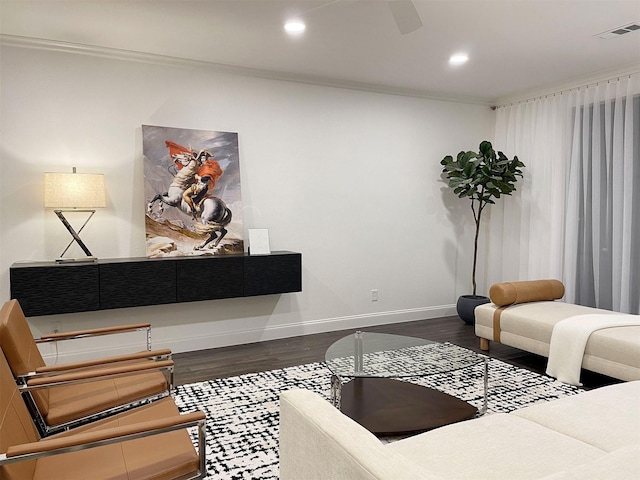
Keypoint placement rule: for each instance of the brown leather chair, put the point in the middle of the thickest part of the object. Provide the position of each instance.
(150, 442)
(65, 396)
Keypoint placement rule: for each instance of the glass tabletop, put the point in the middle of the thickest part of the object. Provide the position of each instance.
(366, 354)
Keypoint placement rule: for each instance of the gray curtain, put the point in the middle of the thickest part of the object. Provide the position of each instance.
(602, 245)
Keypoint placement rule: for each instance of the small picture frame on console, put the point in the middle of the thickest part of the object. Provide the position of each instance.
(259, 241)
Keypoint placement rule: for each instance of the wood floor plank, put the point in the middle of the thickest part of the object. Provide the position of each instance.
(235, 360)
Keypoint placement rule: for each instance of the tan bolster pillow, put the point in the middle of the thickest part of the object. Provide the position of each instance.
(509, 293)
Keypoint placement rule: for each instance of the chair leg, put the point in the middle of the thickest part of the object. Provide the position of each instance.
(484, 344)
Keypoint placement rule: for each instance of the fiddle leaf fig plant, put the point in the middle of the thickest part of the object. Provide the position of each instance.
(481, 177)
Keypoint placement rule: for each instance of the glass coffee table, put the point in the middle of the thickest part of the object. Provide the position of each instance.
(373, 364)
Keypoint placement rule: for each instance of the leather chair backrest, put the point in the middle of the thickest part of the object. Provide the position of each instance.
(16, 425)
(19, 347)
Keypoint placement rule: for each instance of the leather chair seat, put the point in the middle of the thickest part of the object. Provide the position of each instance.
(69, 402)
(158, 457)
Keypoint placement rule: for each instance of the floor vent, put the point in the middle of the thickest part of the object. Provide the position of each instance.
(616, 32)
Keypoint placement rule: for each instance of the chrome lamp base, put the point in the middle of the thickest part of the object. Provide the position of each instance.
(76, 238)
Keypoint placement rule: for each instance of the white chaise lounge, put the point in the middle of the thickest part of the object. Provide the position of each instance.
(523, 315)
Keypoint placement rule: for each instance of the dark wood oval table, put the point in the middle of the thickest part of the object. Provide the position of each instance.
(366, 383)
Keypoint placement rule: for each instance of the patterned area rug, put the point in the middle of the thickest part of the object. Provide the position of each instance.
(243, 412)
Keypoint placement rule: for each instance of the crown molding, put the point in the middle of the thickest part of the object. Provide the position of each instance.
(150, 58)
(576, 82)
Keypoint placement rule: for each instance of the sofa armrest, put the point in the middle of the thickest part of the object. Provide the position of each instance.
(318, 442)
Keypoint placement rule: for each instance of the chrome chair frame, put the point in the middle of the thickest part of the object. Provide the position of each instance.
(200, 424)
(46, 430)
(22, 380)
(54, 337)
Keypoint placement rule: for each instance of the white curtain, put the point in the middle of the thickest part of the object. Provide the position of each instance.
(576, 214)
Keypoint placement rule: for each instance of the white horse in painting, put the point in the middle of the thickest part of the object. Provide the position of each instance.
(214, 215)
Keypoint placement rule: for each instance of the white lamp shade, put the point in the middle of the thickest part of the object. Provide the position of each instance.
(74, 190)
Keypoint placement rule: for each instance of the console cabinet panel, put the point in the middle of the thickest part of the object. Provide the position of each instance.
(276, 273)
(136, 284)
(47, 288)
(210, 278)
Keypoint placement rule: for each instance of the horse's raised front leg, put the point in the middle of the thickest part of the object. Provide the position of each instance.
(160, 197)
(151, 204)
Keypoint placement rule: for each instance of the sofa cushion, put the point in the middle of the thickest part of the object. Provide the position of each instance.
(509, 293)
(622, 464)
(496, 446)
(616, 425)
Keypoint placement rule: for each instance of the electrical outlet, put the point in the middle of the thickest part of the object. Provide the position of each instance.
(374, 295)
(56, 326)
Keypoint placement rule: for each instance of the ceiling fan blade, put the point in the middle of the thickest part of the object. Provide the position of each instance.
(406, 16)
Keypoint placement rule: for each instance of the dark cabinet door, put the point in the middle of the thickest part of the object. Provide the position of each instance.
(275, 273)
(136, 284)
(209, 278)
(54, 289)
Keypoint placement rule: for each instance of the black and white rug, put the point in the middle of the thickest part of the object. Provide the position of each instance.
(243, 412)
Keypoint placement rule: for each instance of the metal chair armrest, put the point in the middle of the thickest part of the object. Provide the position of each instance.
(36, 382)
(81, 441)
(164, 354)
(55, 337)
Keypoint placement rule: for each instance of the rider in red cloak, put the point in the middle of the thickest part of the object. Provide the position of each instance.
(204, 180)
(209, 167)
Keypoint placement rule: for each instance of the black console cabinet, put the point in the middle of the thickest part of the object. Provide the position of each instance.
(47, 288)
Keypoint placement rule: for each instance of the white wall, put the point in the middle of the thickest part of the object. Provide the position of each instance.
(351, 179)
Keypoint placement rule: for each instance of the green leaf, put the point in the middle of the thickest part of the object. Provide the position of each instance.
(485, 148)
(446, 160)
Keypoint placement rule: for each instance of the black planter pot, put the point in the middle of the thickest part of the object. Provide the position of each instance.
(466, 306)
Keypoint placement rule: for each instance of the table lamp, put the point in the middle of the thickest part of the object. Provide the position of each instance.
(74, 192)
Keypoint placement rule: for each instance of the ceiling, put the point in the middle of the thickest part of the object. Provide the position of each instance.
(515, 46)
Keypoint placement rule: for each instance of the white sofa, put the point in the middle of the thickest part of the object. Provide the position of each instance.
(592, 435)
(523, 314)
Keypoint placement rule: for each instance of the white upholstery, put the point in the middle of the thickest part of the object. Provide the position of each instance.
(495, 446)
(616, 425)
(586, 436)
(613, 351)
(623, 464)
(317, 442)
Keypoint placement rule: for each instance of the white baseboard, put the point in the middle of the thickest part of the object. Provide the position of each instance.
(307, 328)
(239, 337)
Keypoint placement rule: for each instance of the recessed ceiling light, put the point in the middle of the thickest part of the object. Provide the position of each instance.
(295, 27)
(458, 59)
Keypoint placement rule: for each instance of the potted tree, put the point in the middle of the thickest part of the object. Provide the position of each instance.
(480, 177)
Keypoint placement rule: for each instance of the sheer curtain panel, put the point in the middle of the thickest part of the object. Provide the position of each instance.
(576, 215)
(603, 196)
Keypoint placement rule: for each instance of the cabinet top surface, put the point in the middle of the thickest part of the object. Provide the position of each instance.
(80, 262)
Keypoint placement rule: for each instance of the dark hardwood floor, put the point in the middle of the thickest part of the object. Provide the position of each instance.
(255, 357)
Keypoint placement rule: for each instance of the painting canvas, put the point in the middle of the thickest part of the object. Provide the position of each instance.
(192, 192)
